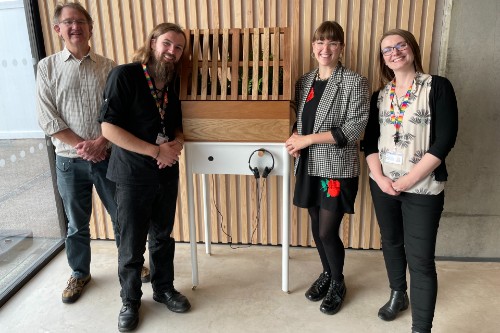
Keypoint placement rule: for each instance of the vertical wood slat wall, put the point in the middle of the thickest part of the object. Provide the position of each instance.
(121, 26)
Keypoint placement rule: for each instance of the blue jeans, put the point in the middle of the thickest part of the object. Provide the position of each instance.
(145, 210)
(75, 178)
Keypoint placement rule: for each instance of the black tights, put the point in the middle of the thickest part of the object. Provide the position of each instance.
(325, 229)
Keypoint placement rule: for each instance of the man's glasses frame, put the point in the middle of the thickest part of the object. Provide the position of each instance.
(69, 23)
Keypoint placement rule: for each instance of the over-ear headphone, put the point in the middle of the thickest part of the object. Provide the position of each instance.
(267, 169)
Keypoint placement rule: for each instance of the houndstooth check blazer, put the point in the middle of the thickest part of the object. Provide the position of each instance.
(345, 105)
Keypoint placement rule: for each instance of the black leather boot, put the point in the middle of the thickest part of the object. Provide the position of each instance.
(128, 319)
(334, 297)
(397, 303)
(319, 288)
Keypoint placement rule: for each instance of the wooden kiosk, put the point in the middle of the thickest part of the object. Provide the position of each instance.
(236, 93)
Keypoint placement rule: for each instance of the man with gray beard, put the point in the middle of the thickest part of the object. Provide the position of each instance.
(141, 116)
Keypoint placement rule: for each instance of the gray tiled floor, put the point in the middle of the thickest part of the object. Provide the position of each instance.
(240, 291)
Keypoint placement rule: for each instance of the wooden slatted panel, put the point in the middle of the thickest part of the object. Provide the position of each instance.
(252, 222)
(235, 62)
(274, 207)
(246, 63)
(377, 30)
(425, 40)
(198, 208)
(204, 67)
(243, 222)
(255, 64)
(121, 27)
(276, 57)
(287, 59)
(196, 52)
(182, 211)
(223, 207)
(265, 63)
(262, 211)
(129, 42)
(224, 69)
(158, 13)
(214, 203)
(233, 205)
(170, 13)
(237, 69)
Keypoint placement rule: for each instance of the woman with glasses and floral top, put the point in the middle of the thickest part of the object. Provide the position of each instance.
(412, 128)
(332, 111)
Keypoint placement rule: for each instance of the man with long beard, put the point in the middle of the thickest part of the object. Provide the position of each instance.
(141, 116)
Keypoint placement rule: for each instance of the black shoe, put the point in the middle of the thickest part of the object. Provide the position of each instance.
(128, 319)
(334, 297)
(319, 288)
(397, 303)
(173, 299)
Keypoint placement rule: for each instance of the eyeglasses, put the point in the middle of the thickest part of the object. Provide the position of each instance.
(331, 45)
(69, 23)
(399, 47)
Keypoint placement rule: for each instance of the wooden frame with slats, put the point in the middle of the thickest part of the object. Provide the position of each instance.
(235, 86)
(121, 26)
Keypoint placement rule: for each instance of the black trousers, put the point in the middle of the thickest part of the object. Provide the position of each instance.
(408, 226)
(143, 210)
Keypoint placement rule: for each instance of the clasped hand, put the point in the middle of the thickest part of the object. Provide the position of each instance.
(169, 154)
(295, 143)
(387, 185)
(92, 150)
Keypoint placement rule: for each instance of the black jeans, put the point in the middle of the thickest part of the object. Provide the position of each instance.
(143, 210)
(408, 225)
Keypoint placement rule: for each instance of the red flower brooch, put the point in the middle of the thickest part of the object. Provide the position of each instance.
(310, 95)
(331, 187)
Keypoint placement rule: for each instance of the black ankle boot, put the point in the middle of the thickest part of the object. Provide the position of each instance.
(319, 288)
(397, 303)
(334, 297)
(128, 319)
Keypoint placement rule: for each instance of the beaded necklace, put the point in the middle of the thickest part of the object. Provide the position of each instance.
(161, 107)
(397, 121)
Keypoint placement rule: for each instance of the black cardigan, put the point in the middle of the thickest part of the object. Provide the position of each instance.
(444, 123)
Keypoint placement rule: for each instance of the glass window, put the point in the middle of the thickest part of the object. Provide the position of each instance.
(30, 231)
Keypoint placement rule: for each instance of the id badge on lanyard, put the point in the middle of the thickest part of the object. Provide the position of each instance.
(161, 137)
(393, 157)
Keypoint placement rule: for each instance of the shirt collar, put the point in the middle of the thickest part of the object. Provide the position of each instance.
(67, 55)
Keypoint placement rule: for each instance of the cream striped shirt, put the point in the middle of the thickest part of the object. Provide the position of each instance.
(70, 94)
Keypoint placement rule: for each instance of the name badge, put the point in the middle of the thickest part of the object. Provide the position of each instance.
(393, 158)
(161, 138)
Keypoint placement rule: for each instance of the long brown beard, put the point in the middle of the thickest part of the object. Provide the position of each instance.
(162, 71)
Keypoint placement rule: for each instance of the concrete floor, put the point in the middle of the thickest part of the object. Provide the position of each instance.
(240, 291)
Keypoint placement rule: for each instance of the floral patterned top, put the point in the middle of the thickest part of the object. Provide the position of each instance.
(400, 150)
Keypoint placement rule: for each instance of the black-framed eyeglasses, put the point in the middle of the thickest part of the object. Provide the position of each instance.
(399, 46)
(69, 23)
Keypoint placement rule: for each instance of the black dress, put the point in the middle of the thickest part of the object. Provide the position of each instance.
(336, 194)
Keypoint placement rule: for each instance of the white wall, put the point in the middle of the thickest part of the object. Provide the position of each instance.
(17, 78)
